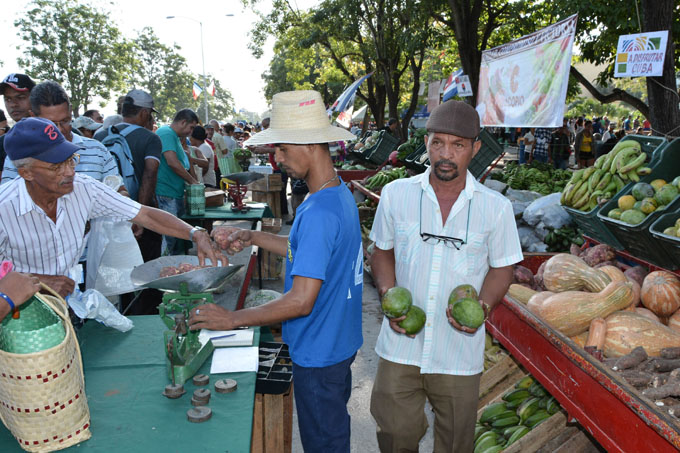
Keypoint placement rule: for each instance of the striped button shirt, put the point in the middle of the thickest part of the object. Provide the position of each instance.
(95, 161)
(36, 244)
(431, 272)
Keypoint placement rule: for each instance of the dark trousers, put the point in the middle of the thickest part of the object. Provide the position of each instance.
(284, 190)
(321, 396)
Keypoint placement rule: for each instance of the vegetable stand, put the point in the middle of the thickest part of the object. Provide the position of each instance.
(610, 409)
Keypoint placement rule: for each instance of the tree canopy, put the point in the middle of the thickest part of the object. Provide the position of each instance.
(76, 45)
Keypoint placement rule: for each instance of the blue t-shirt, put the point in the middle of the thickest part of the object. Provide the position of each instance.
(169, 183)
(325, 244)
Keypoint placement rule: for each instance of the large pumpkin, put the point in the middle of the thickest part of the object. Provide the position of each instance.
(661, 293)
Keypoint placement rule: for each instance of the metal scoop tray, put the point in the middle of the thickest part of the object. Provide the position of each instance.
(198, 281)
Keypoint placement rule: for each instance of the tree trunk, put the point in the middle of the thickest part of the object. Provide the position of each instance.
(662, 92)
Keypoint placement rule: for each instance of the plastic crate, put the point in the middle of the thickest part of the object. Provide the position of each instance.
(671, 243)
(411, 161)
(588, 221)
(386, 144)
(489, 151)
(637, 239)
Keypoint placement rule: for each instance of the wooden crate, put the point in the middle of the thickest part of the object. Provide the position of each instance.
(498, 378)
(273, 423)
(270, 183)
(273, 199)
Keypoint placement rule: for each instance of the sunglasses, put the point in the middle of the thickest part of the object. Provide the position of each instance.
(434, 239)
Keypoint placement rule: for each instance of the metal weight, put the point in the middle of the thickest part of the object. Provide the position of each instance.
(201, 379)
(225, 386)
(174, 391)
(199, 414)
(202, 395)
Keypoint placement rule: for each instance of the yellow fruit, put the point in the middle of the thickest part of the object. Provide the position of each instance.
(658, 184)
(626, 202)
(648, 205)
(677, 223)
(670, 231)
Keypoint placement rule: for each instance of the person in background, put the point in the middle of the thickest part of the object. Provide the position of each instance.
(173, 171)
(528, 140)
(559, 148)
(584, 146)
(609, 133)
(16, 90)
(542, 137)
(207, 166)
(391, 127)
(49, 100)
(4, 128)
(15, 289)
(612, 140)
(210, 132)
(87, 126)
(95, 116)
(626, 124)
(468, 235)
(227, 163)
(646, 125)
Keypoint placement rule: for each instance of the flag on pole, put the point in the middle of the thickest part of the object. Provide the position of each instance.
(197, 90)
(347, 96)
(211, 88)
(451, 87)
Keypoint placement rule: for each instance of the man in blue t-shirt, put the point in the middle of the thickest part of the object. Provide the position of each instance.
(321, 305)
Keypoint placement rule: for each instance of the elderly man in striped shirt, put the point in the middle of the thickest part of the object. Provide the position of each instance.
(43, 213)
(434, 232)
(49, 100)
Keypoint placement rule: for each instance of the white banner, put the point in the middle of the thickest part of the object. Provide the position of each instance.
(641, 54)
(524, 83)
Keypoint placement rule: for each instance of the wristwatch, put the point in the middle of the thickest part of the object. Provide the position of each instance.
(193, 231)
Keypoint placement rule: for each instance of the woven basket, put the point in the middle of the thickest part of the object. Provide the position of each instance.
(38, 328)
(42, 394)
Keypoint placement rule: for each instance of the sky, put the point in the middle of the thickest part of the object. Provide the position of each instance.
(225, 40)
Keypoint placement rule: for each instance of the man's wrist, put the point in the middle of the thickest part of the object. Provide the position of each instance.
(194, 230)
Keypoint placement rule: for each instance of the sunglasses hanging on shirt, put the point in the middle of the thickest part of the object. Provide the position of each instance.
(434, 239)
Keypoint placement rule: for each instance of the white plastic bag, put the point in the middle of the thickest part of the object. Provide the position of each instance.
(111, 255)
(93, 305)
(547, 210)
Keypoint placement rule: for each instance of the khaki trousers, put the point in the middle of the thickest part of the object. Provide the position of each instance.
(398, 407)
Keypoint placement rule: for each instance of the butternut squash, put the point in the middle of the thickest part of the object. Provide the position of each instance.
(617, 275)
(674, 321)
(537, 300)
(520, 293)
(571, 312)
(565, 272)
(626, 331)
(646, 313)
(597, 333)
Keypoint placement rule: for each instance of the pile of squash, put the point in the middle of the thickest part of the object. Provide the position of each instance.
(600, 307)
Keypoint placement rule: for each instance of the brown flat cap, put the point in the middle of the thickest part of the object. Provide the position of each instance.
(454, 118)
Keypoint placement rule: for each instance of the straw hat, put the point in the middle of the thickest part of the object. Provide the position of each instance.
(299, 118)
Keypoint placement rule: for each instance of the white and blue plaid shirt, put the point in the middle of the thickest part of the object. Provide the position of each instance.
(431, 272)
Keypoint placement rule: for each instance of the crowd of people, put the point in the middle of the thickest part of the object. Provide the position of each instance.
(585, 139)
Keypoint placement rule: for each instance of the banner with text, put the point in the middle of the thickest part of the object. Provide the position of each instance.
(524, 83)
(641, 54)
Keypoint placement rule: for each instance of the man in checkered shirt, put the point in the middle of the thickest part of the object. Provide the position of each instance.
(540, 151)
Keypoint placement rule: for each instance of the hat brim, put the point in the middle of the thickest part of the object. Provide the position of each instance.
(4, 85)
(58, 153)
(299, 136)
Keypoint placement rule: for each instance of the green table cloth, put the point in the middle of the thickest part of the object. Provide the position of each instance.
(225, 213)
(125, 374)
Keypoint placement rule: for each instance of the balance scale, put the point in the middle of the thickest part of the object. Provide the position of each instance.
(237, 186)
(183, 292)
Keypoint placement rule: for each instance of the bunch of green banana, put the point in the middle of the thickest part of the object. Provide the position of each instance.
(593, 186)
(522, 408)
(383, 177)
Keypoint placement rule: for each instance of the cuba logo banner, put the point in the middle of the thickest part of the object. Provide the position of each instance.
(524, 83)
(641, 54)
